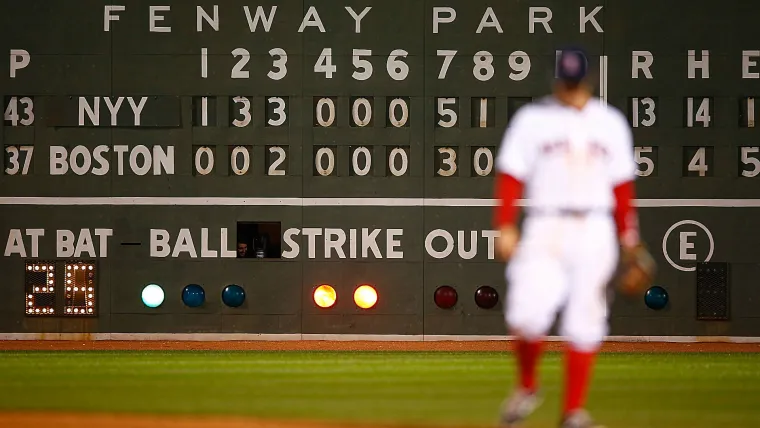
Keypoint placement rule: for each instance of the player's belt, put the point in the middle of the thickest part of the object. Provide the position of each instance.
(568, 212)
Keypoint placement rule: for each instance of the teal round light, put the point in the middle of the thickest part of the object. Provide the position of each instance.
(233, 295)
(656, 298)
(193, 295)
(153, 295)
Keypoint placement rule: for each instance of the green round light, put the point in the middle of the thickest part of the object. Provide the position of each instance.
(153, 295)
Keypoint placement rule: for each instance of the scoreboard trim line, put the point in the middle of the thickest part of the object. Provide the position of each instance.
(222, 337)
(331, 202)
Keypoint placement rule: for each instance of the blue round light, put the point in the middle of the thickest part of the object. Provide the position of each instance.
(193, 295)
(233, 295)
(152, 295)
(656, 298)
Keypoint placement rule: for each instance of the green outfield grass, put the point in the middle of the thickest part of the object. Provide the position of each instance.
(629, 390)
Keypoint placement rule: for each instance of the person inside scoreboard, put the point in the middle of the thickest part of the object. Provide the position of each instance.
(242, 250)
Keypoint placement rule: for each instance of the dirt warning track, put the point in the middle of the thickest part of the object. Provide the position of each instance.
(314, 345)
(79, 420)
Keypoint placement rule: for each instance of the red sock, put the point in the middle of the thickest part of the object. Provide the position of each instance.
(527, 360)
(578, 375)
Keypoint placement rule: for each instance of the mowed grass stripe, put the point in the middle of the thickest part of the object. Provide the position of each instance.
(629, 390)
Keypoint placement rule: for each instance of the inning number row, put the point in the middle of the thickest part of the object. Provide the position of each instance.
(519, 64)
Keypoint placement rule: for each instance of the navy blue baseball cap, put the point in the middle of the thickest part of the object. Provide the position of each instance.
(572, 65)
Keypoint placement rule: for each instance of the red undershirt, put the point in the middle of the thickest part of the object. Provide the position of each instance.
(510, 189)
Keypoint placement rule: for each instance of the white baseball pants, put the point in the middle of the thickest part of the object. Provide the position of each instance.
(562, 264)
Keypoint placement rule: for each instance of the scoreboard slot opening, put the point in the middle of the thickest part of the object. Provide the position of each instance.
(260, 240)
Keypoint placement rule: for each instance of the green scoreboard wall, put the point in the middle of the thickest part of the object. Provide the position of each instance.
(350, 143)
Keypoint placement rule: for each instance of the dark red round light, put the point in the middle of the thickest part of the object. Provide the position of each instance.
(446, 297)
(486, 297)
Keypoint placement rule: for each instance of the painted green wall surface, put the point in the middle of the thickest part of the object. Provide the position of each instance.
(142, 137)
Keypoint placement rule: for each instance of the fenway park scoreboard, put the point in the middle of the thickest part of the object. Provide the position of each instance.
(245, 167)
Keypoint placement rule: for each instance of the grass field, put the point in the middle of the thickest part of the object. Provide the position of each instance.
(407, 388)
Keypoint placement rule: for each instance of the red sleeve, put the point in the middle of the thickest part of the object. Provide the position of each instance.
(508, 191)
(626, 217)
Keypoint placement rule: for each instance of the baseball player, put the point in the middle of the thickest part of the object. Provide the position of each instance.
(571, 157)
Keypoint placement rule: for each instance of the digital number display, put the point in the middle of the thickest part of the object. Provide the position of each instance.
(39, 288)
(81, 289)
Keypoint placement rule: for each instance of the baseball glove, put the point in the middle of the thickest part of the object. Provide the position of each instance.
(636, 271)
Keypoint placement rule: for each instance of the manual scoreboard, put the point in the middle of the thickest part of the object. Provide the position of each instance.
(290, 156)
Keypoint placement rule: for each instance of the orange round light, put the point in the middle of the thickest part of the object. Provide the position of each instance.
(365, 297)
(325, 296)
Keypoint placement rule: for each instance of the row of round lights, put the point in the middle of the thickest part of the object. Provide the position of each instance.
(446, 297)
(37, 311)
(51, 268)
(78, 310)
(76, 267)
(193, 295)
(50, 311)
(325, 296)
(486, 297)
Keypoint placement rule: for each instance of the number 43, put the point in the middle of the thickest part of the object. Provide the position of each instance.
(11, 112)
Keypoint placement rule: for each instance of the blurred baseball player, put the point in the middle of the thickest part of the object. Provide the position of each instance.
(571, 157)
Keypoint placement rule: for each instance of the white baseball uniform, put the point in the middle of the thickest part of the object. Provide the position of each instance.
(569, 161)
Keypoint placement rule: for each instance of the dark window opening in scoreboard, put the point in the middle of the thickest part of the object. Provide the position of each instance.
(81, 289)
(39, 287)
(260, 240)
(514, 104)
